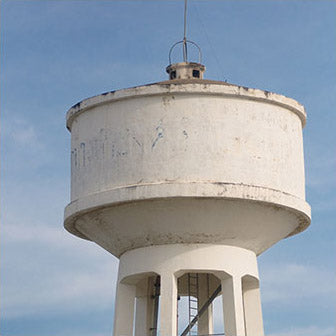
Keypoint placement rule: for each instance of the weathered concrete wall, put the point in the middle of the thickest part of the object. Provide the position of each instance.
(186, 136)
(203, 142)
(231, 266)
(185, 177)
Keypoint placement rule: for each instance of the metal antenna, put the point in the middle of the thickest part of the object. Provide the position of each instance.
(185, 50)
(185, 42)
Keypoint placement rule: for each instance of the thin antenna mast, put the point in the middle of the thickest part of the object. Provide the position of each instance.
(185, 69)
(185, 50)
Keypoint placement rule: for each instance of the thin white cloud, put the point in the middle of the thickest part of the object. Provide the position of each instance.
(326, 205)
(321, 167)
(291, 283)
(47, 270)
(61, 292)
(307, 331)
(21, 132)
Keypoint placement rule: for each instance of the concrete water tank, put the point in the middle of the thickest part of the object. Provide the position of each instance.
(187, 176)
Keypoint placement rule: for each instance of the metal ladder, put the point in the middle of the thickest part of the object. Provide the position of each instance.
(193, 301)
(201, 311)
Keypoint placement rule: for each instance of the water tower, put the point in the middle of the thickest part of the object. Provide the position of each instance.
(187, 181)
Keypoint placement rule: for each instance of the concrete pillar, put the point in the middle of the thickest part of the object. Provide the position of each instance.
(144, 308)
(168, 305)
(233, 309)
(141, 328)
(252, 307)
(124, 310)
(205, 323)
(169, 261)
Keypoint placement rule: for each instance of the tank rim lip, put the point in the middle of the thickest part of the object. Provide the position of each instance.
(70, 222)
(74, 209)
(195, 86)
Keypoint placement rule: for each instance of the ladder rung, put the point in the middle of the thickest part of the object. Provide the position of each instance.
(193, 289)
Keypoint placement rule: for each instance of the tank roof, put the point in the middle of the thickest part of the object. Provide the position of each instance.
(190, 86)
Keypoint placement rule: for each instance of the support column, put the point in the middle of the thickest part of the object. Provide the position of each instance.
(205, 323)
(168, 305)
(252, 307)
(141, 328)
(144, 308)
(124, 310)
(233, 307)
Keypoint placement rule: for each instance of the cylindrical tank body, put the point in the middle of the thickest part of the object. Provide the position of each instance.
(187, 161)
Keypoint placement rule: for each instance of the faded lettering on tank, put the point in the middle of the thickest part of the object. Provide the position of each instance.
(159, 134)
(108, 145)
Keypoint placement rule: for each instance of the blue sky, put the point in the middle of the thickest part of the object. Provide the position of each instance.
(56, 53)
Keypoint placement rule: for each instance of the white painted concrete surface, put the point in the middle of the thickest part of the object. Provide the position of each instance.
(187, 176)
(229, 264)
(175, 155)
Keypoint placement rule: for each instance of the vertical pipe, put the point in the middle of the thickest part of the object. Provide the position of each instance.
(156, 306)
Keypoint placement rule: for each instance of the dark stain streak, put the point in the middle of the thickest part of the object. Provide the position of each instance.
(121, 153)
(166, 100)
(185, 134)
(221, 183)
(75, 156)
(159, 136)
(131, 187)
(82, 146)
(167, 86)
(135, 139)
(106, 93)
(76, 106)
